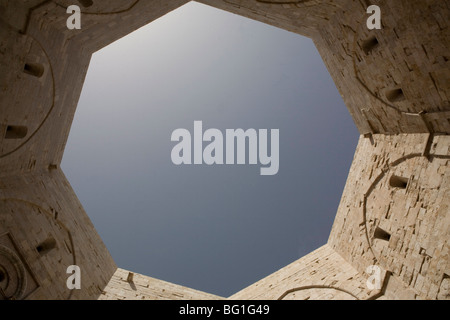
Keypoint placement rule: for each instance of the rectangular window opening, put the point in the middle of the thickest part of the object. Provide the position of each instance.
(398, 182)
(395, 95)
(381, 234)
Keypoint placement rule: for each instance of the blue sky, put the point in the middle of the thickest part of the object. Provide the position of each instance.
(214, 228)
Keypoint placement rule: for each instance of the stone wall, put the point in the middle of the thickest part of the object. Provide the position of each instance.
(126, 285)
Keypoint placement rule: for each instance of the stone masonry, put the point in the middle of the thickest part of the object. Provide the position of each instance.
(394, 212)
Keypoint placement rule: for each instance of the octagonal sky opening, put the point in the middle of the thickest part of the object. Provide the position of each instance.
(213, 228)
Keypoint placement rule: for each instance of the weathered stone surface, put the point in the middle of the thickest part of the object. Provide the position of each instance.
(394, 211)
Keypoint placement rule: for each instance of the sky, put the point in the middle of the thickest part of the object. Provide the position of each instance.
(215, 228)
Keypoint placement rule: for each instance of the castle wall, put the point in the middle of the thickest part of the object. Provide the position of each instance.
(44, 225)
(301, 17)
(394, 211)
(393, 214)
(321, 274)
(126, 285)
